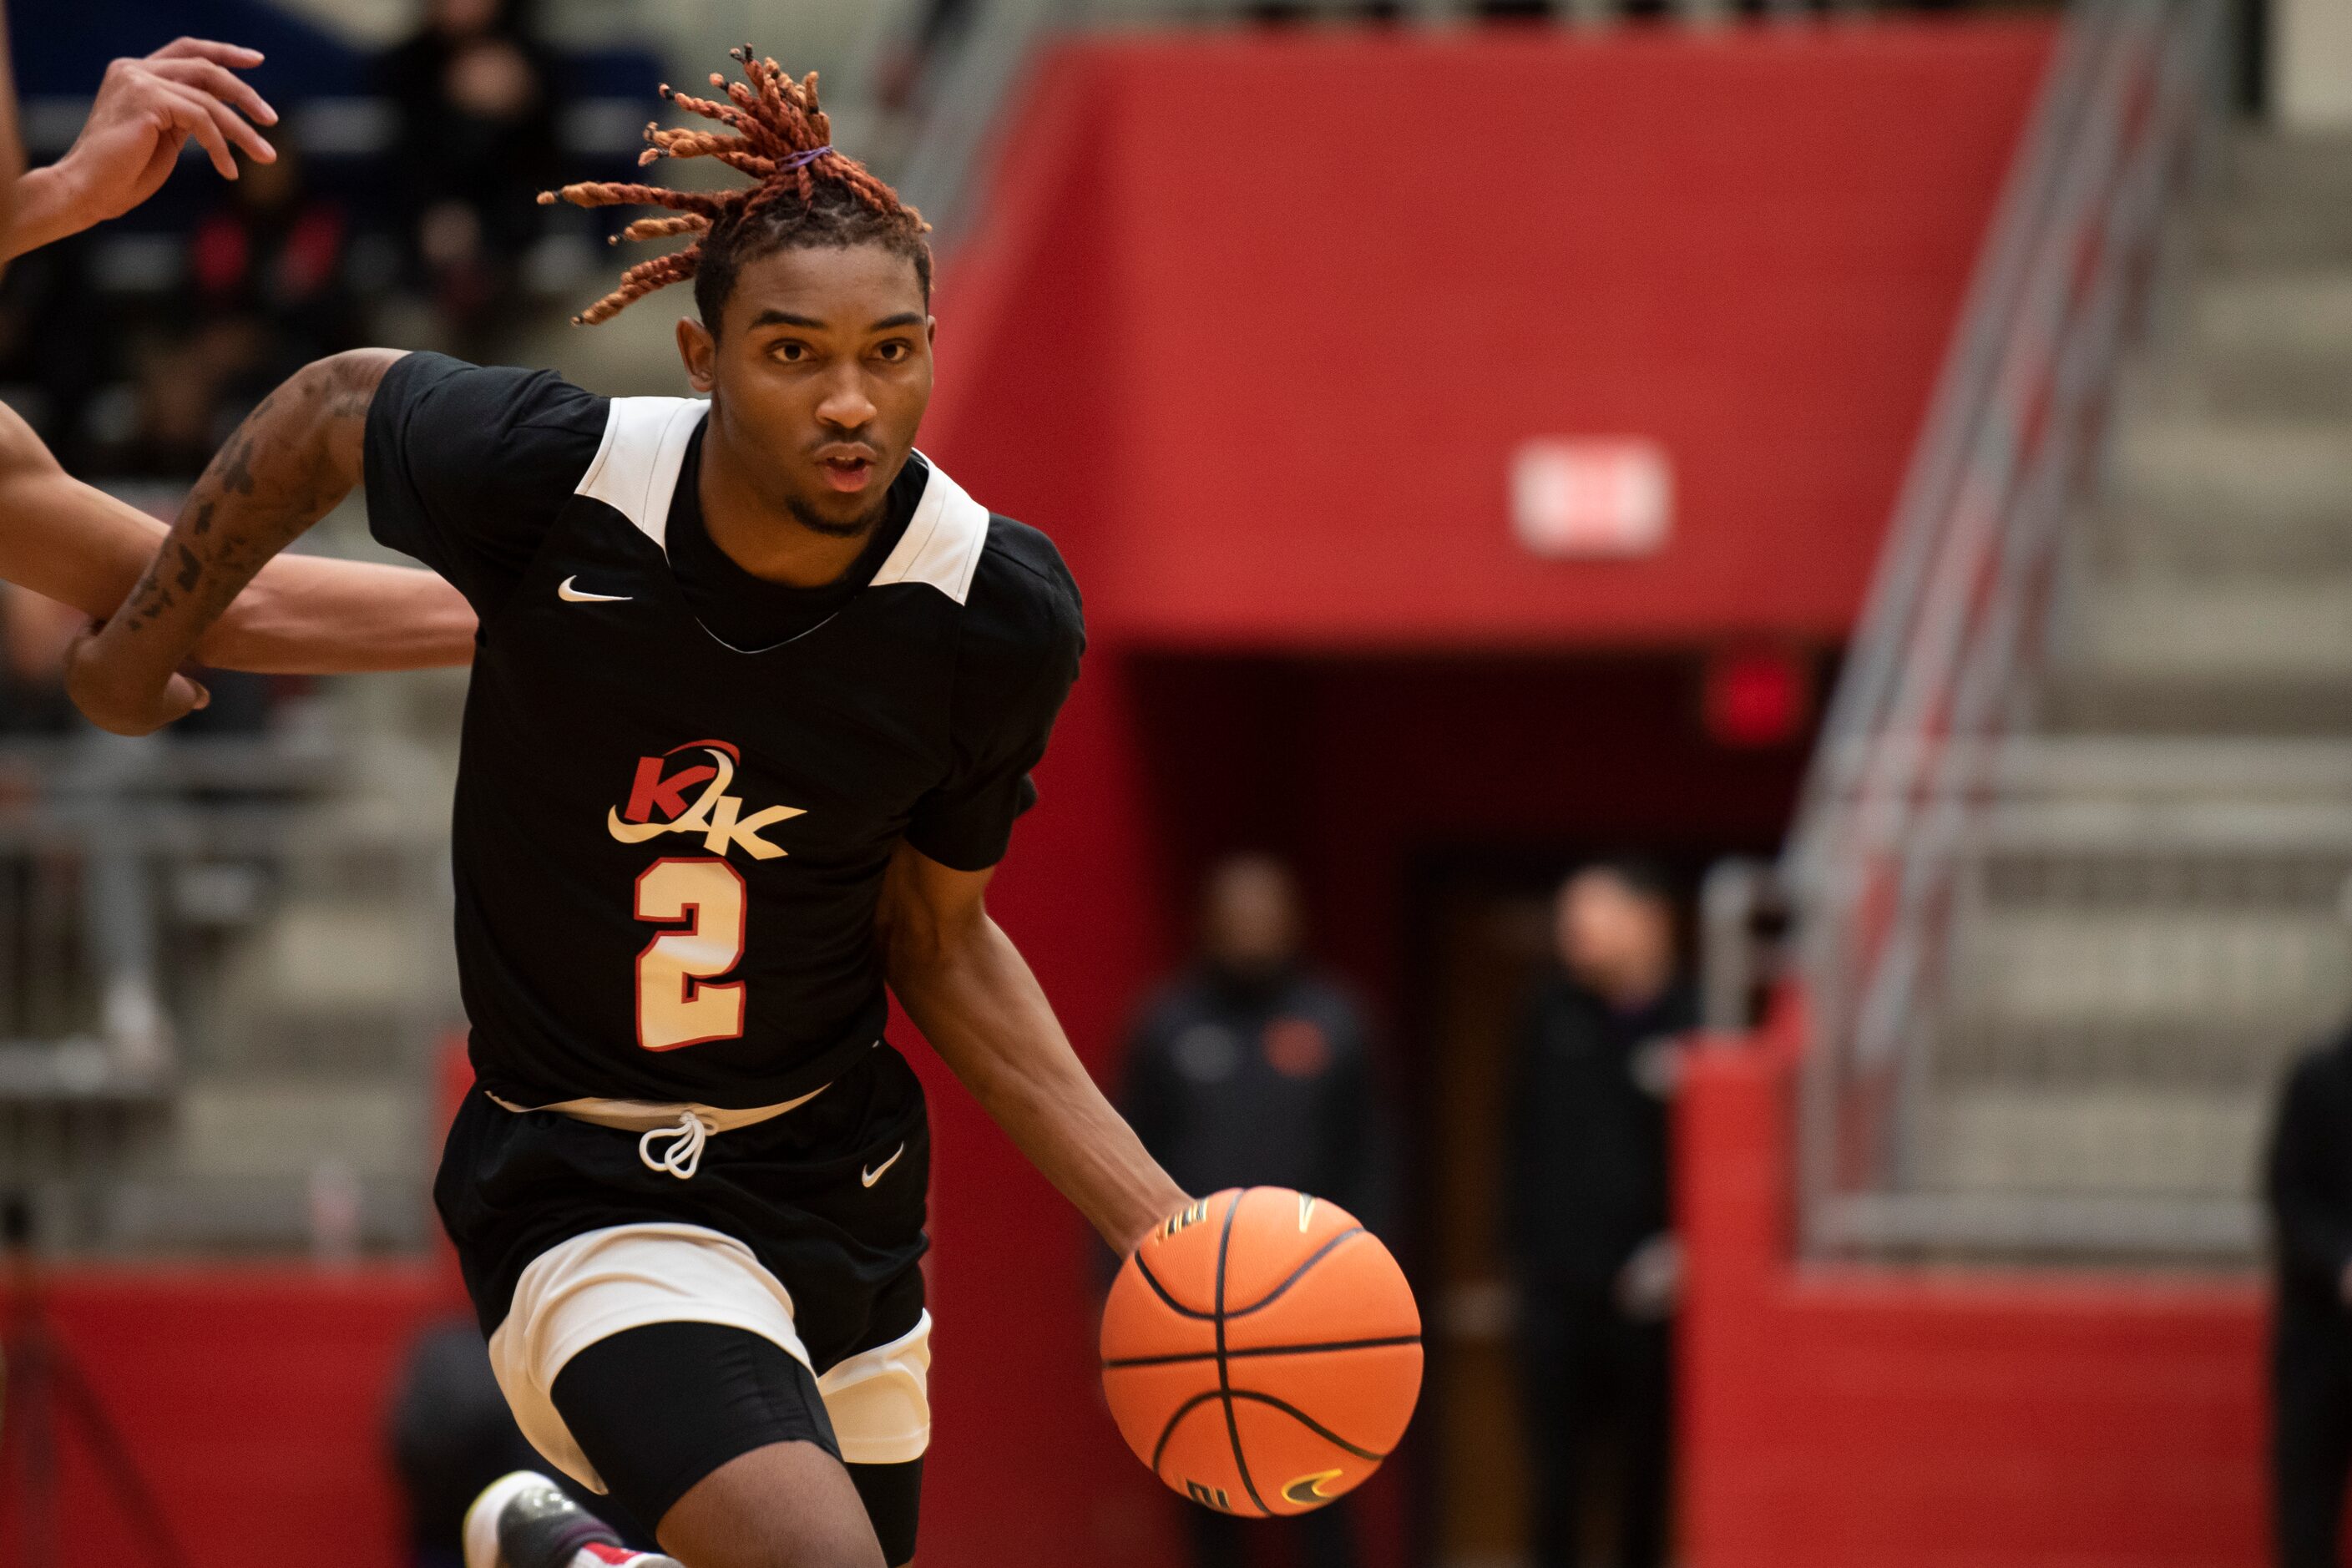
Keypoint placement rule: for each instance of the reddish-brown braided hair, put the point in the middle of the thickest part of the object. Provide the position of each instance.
(807, 194)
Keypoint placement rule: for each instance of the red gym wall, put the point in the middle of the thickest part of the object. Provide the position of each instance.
(1252, 329)
(1853, 1417)
(1252, 339)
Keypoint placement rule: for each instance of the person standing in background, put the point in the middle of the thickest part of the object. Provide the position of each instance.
(2308, 1187)
(1587, 1225)
(476, 94)
(1249, 1070)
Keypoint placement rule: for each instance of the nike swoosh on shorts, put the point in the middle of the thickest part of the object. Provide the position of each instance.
(873, 1175)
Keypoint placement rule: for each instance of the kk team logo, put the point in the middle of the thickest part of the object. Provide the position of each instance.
(659, 803)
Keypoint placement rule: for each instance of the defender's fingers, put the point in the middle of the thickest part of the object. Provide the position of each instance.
(236, 55)
(218, 81)
(214, 126)
(190, 114)
(233, 126)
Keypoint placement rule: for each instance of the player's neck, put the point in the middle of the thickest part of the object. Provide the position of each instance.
(762, 537)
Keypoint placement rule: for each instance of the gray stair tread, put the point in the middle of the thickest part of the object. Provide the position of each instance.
(2103, 1139)
(2289, 628)
(2234, 472)
(280, 1126)
(2252, 969)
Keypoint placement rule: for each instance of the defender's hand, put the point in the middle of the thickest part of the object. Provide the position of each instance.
(126, 707)
(145, 112)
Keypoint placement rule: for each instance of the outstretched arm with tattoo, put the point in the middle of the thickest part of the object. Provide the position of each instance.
(287, 467)
(304, 614)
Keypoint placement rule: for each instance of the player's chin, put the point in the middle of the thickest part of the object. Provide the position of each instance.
(833, 513)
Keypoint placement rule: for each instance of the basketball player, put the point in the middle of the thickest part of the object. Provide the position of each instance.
(82, 547)
(757, 698)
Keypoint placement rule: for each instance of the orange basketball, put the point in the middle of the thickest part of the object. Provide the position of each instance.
(1261, 1352)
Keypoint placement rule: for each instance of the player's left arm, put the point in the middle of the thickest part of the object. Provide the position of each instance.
(971, 993)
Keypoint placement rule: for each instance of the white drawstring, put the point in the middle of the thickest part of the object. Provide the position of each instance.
(685, 1152)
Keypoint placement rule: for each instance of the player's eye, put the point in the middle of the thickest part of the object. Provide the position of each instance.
(892, 351)
(791, 351)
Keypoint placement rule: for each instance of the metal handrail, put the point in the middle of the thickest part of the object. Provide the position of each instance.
(1934, 682)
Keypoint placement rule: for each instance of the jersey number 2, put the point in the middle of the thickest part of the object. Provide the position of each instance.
(677, 1004)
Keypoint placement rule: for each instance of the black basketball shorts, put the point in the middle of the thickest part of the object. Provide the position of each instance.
(802, 1233)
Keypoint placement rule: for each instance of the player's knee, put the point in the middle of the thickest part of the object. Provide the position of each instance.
(799, 1542)
(789, 1505)
(801, 1552)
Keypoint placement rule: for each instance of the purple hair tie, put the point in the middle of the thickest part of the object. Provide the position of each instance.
(802, 159)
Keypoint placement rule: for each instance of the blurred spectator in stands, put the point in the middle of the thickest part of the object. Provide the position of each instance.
(166, 422)
(1250, 1069)
(60, 345)
(2309, 1188)
(268, 268)
(476, 96)
(1586, 1227)
(939, 23)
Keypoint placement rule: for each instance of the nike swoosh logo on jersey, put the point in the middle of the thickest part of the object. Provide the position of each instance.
(873, 1175)
(571, 596)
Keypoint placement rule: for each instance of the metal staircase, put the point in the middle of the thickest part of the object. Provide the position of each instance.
(2070, 879)
(2154, 917)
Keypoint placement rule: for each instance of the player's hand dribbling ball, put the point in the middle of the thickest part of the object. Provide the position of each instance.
(1261, 1352)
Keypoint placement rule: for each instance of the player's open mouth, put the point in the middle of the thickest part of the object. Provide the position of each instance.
(848, 474)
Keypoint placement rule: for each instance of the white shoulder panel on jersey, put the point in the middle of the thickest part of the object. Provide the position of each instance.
(943, 539)
(636, 466)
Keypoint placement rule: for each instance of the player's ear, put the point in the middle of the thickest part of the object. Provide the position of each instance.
(699, 351)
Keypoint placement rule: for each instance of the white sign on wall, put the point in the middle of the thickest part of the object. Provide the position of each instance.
(1591, 496)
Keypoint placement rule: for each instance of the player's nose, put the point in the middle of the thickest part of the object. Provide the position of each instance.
(845, 406)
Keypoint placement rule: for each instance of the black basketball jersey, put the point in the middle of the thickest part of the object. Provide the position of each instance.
(668, 848)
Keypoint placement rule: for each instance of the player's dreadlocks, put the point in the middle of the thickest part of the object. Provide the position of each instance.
(808, 195)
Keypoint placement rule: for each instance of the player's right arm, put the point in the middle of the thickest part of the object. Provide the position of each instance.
(292, 460)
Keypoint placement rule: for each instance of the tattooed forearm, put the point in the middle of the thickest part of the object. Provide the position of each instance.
(286, 466)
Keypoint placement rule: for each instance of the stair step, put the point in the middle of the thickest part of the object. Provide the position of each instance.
(2106, 1140)
(2103, 703)
(1977, 1050)
(354, 955)
(286, 1128)
(2148, 542)
(2295, 314)
(2258, 237)
(2199, 985)
(2271, 171)
(267, 1215)
(2296, 631)
(2272, 343)
(2214, 472)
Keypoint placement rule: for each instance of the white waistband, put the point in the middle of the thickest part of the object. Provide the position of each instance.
(646, 1115)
